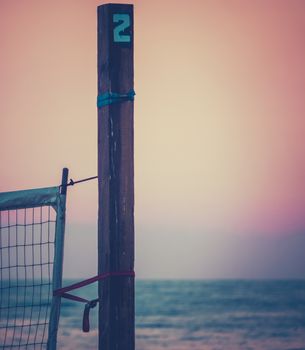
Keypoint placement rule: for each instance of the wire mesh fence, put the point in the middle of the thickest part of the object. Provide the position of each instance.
(31, 222)
(27, 239)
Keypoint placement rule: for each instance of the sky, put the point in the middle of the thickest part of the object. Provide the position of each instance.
(219, 130)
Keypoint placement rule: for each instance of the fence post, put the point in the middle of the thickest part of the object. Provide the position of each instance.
(116, 176)
(58, 260)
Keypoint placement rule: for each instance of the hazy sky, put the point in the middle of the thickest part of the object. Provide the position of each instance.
(219, 129)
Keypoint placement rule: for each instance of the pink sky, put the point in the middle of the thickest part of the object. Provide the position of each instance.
(219, 113)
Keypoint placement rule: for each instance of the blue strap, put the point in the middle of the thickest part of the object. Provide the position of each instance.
(109, 98)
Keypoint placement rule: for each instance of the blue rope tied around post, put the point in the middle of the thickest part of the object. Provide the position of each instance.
(109, 98)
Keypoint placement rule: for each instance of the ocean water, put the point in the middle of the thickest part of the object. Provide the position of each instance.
(205, 315)
(192, 315)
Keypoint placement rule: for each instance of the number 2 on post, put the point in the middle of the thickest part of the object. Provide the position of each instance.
(124, 23)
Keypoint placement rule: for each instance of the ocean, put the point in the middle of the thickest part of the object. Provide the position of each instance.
(203, 315)
(176, 315)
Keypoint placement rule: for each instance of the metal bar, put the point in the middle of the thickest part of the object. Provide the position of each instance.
(58, 261)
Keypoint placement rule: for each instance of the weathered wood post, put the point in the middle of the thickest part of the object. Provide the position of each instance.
(116, 176)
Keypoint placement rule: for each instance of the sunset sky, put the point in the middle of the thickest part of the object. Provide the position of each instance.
(219, 130)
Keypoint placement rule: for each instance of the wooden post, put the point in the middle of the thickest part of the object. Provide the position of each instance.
(116, 178)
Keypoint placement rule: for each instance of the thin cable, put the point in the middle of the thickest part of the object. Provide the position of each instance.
(72, 182)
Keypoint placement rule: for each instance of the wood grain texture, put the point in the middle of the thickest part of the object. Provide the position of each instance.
(116, 184)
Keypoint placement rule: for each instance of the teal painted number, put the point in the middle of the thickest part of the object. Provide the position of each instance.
(124, 23)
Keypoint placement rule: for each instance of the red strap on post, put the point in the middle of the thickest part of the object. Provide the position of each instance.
(62, 292)
(90, 305)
